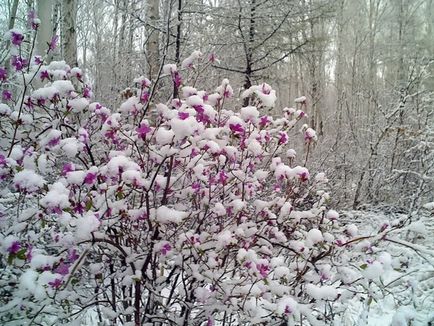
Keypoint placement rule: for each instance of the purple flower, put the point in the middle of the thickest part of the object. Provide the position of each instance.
(263, 269)
(72, 255)
(38, 59)
(62, 269)
(3, 74)
(283, 138)
(44, 75)
(6, 95)
(53, 42)
(266, 89)
(29, 253)
(32, 20)
(2, 160)
(176, 103)
(87, 91)
(56, 283)
(195, 186)
(17, 38)
(303, 176)
(14, 247)
(263, 121)
(176, 78)
(223, 177)
(54, 141)
(90, 178)
(212, 58)
(236, 128)
(288, 310)
(142, 130)
(83, 135)
(68, 167)
(18, 62)
(183, 115)
(79, 208)
(144, 97)
(165, 249)
(194, 152)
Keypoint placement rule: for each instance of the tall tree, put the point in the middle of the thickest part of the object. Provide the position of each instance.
(69, 42)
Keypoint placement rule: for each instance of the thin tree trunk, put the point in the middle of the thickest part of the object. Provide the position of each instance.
(153, 46)
(45, 10)
(69, 32)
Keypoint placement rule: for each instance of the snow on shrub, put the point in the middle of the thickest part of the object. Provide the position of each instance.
(200, 214)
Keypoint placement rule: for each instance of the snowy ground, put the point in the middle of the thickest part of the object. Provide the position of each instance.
(414, 302)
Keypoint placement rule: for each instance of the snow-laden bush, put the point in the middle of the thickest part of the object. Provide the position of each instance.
(198, 215)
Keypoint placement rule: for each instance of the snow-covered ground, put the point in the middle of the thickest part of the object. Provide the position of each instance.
(412, 283)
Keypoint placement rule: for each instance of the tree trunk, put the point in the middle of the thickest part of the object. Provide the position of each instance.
(249, 50)
(153, 46)
(45, 10)
(69, 41)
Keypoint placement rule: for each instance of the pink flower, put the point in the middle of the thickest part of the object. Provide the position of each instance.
(176, 103)
(183, 115)
(53, 43)
(62, 269)
(143, 130)
(72, 256)
(90, 178)
(56, 284)
(236, 128)
(83, 136)
(14, 247)
(263, 121)
(266, 89)
(44, 75)
(18, 62)
(6, 95)
(303, 176)
(32, 20)
(16, 38)
(87, 91)
(3, 162)
(196, 186)
(288, 310)
(263, 269)
(223, 177)
(176, 78)
(3, 74)
(68, 167)
(144, 97)
(283, 138)
(53, 142)
(38, 59)
(165, 249)
(212, 58)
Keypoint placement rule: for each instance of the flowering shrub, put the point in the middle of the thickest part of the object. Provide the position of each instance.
(197, 216)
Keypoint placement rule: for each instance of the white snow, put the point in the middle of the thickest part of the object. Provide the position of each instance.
(300, 99)
(325, 292)
(167, 215)
(57, 196)
(249, 113)
(164, 136)
(78, 104)
(28, 180)
(315, 236)
(85, 225)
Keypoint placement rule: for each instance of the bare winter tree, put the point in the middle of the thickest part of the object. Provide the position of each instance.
(69, 42)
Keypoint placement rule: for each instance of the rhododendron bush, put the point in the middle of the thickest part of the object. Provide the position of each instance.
(198, 214)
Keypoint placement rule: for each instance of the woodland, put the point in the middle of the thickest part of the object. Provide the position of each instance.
(217, 162)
